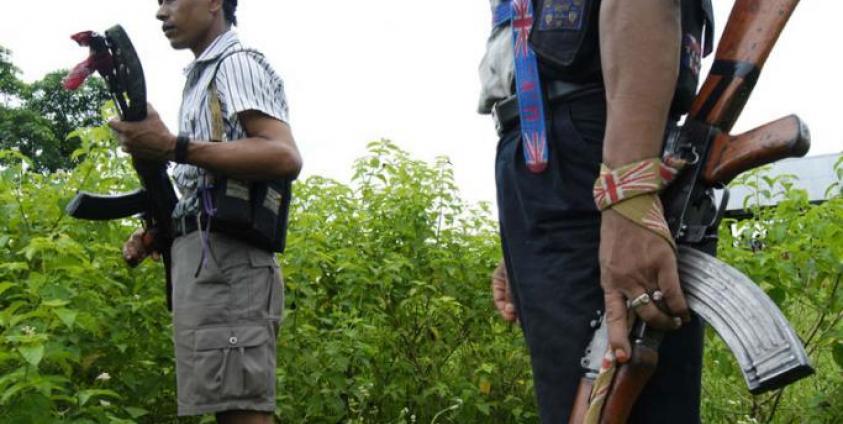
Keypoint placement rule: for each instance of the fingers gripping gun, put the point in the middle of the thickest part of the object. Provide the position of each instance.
(766, 347)
(114, 58)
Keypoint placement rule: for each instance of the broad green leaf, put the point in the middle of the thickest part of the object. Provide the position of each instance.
(5, 286)
(85, 395)
(136, 412)
(32, 353)
(67, 316)
(837, 353)
(55, 303)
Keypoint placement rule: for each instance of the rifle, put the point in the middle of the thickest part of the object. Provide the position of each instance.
(115, 59)
(767, 348)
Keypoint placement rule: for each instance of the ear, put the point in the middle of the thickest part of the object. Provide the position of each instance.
(215, 6)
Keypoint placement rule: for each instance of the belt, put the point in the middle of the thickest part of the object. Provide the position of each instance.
(505, 112)
(185, 225)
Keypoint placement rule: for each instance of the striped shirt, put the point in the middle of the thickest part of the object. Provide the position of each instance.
(497, 69)
(245, 81)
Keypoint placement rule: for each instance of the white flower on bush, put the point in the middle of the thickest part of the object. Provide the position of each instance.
(104, 377)
(28, 330)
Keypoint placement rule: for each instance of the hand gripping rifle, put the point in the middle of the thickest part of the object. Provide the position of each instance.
(114, 57)
(766, 347)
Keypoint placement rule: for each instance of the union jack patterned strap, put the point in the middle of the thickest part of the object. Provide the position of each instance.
(527, 83)
(647, 211)
(642, 177)
(600, 389)
(501, 14)
(603, 382)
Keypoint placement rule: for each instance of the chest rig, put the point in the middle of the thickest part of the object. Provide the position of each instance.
(256, 212)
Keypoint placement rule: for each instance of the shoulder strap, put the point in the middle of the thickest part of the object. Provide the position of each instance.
(217, 131)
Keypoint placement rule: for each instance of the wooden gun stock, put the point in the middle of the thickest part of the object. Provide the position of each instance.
(751, 32)
(731, 155)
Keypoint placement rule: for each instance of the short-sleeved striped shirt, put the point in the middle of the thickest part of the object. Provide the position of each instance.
(245, 81)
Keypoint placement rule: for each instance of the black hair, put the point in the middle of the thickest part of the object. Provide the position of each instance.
(229, 8)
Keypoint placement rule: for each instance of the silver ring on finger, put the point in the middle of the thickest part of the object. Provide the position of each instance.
(657, 296)
(641, 300)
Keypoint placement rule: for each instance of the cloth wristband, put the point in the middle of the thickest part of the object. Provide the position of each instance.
(637, 178)
(646, 211)
(632, 191)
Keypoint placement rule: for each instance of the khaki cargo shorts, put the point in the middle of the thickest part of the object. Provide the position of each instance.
(225, 324)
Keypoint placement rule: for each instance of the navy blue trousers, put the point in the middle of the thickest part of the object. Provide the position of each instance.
(550, 233)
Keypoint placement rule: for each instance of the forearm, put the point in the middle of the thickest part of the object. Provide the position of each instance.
(249, 159)
(639, 45)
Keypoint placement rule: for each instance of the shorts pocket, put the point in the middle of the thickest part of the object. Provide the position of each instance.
(234, 362)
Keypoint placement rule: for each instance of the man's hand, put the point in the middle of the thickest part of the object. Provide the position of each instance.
(138, 247)
(502, 295)
(635, 261)
(149, 139)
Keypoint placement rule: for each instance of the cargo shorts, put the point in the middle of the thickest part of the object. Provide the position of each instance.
(225, 324)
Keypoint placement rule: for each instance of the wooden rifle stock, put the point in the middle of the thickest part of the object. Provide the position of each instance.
(750, 34)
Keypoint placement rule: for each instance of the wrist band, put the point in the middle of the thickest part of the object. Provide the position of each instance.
(180, 154)
(646, 176)
(632, 191)
(646, 211)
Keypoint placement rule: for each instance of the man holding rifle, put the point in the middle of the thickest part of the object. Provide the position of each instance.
(605, 73)
(233, 137)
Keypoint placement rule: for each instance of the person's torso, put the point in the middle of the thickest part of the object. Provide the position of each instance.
(196, 119)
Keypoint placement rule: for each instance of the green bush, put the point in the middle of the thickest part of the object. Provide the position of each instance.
(388, 311)
(388, 315)
(794, 251)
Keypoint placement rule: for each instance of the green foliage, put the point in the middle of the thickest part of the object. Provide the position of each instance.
(84, 339)
(388, 314)
(388, 290)
(794, 251)
(388, 310)
(39, 119)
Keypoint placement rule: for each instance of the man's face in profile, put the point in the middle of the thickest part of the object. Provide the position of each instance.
(185, 22)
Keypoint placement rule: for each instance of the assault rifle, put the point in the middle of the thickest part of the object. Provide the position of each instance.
(766, 347)
(114, 58)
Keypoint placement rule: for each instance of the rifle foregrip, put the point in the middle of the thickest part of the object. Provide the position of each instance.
(732, 155)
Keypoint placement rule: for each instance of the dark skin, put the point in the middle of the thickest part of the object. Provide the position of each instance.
(268, 152)
(639, 45)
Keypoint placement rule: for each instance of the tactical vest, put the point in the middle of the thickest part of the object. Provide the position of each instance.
(565, 40)
(256, 212)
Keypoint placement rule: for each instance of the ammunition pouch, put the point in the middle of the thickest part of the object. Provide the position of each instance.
(256, 212)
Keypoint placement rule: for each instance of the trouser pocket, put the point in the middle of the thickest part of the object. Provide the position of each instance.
(233, 362)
